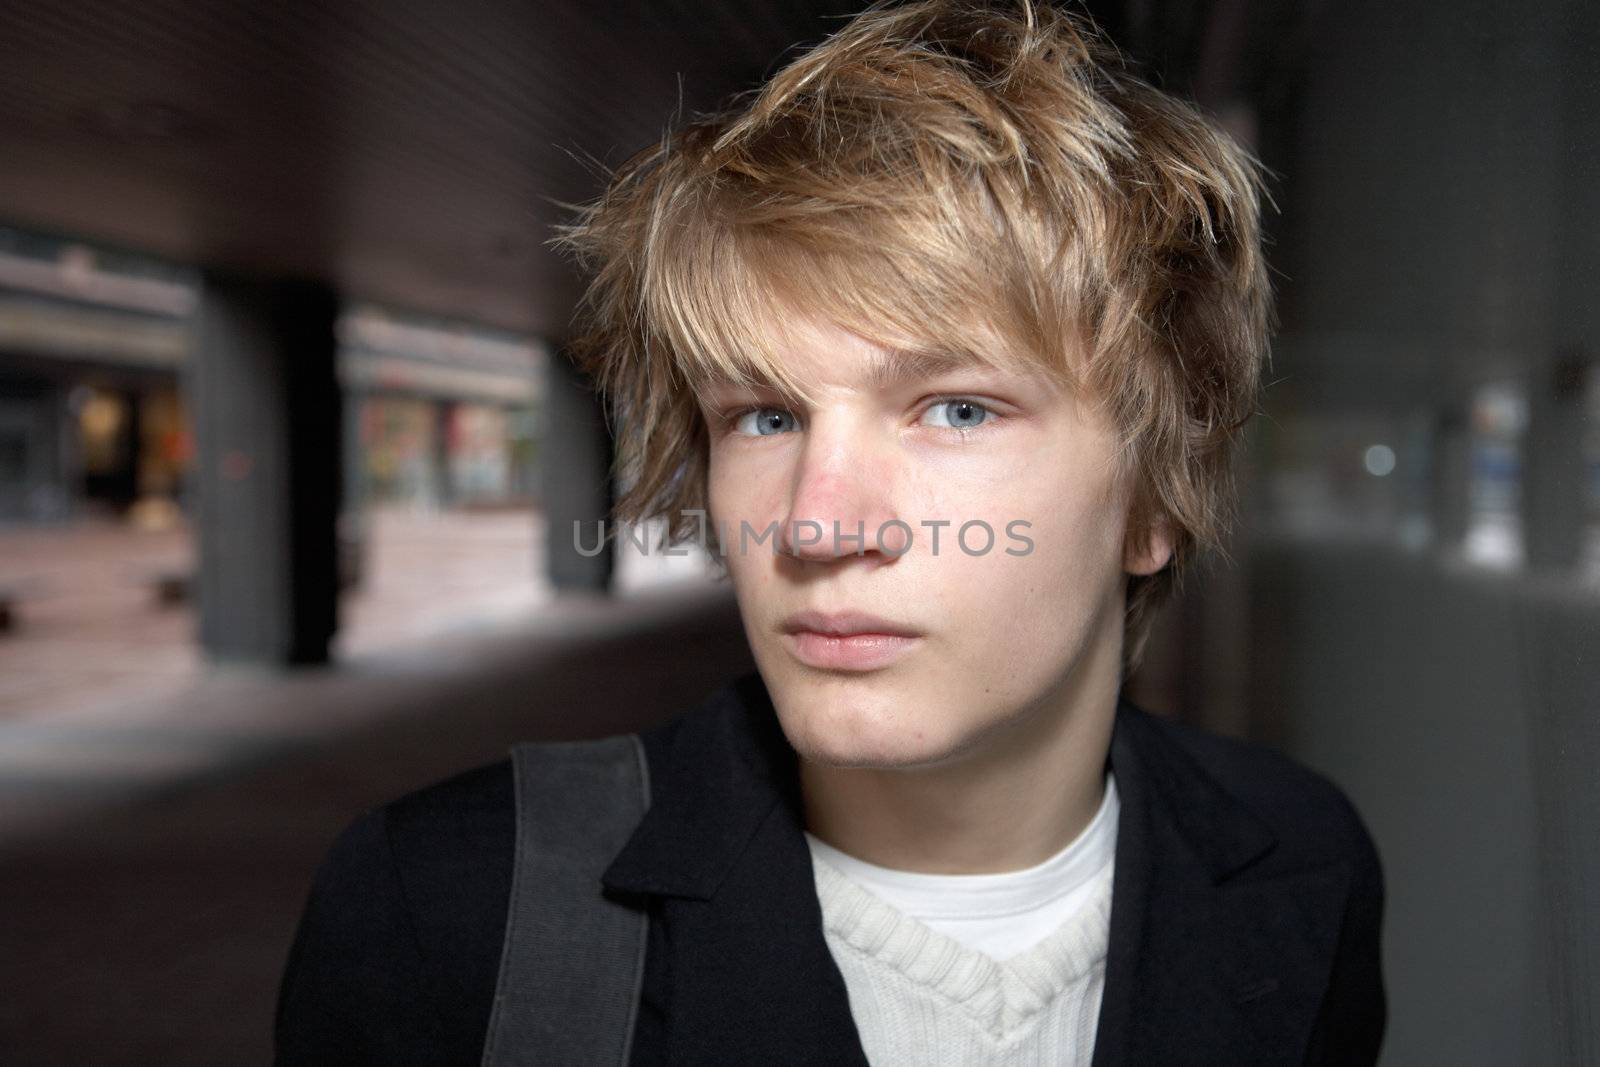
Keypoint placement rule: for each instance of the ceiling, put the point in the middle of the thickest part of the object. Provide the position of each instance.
(412, 151)
(417, 152)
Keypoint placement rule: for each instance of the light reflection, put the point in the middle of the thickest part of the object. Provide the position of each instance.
(1379, 461)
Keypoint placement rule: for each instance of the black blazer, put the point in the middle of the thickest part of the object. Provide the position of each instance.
(1245, 919)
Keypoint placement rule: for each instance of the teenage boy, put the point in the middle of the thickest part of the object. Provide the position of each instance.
(944, 339)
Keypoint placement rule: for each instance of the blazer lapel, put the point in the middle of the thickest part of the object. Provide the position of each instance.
(752, 979)
(1216, 955)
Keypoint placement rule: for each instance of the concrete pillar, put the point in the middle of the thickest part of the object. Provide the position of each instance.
(353, 449)
(575, 455)
(1451, 489)
(265, 400)
(353, 526)
(1554, 496)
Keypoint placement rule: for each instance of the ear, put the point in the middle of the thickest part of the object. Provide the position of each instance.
(1146, 551)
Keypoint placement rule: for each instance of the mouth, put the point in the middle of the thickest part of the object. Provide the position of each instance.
(847, 641)
(846, 624)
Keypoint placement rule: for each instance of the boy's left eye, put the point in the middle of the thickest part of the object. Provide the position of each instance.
(959, 414)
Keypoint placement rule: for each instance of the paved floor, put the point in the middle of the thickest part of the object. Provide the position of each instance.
(91, 630)
(87, 622)
(145, 913)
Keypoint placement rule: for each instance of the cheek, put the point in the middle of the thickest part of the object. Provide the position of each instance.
(740, 487)
(1028, 611)
(732, 498)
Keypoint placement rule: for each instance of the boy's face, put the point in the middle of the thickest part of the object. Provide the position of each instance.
(991, 634)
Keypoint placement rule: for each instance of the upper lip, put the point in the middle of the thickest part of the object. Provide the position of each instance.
(843, 623)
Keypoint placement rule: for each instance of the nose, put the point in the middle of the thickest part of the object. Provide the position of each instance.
(840, 499)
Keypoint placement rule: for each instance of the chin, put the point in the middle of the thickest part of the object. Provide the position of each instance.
(837, 732)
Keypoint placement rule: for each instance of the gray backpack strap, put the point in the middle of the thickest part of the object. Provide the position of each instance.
(573, 961)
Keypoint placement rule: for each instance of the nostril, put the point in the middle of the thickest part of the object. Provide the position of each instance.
(836, 539)
(804, 537)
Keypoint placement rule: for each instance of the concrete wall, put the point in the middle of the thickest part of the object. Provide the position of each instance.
(1461, 711)
(1440, 232)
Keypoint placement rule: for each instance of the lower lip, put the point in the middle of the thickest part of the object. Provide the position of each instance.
(850, 652)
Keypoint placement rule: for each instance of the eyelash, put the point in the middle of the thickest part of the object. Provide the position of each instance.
(732, 418)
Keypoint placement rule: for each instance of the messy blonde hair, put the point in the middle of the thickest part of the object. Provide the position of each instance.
(943, 175)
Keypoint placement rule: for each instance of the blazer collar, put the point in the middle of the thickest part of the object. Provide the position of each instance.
(1213, 944)
(715, 776)
(1221, 944)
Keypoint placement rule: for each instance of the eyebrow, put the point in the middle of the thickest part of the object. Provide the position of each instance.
(894, 367)
(902, 365)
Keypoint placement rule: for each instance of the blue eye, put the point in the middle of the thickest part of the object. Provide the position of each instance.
(960, 414)
(763, 422)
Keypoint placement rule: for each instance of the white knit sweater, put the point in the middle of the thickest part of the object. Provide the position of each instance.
(922, 998)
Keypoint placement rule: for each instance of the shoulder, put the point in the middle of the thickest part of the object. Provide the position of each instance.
(470, 813)
(1314, 825)
(449, 846)
(454, 844)
(1312, 817)
(398, 946)
(438, 825)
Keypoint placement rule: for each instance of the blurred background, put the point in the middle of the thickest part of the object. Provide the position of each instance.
(284, 420)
